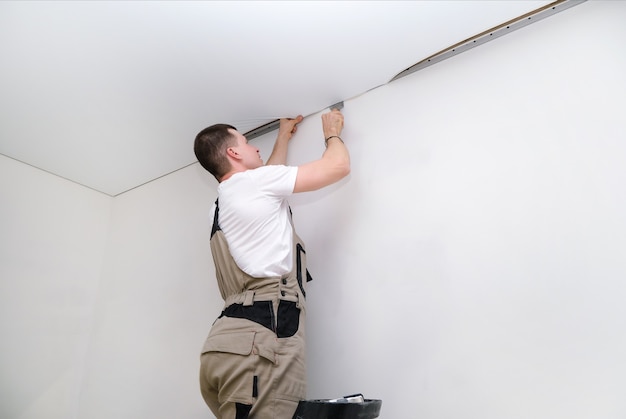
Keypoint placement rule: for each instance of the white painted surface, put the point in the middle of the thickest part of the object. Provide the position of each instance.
(109, 93)
(471, 266)
(154, 303)
(52, 242)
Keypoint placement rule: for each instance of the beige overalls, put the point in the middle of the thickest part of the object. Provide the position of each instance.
(253, 361)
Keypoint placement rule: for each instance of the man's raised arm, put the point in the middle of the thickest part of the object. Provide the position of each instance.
(286, 129)
(334, 164)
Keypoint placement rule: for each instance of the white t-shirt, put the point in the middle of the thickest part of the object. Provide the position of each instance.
(254, 217)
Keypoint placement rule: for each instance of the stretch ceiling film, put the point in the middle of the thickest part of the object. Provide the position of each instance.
(111, 94)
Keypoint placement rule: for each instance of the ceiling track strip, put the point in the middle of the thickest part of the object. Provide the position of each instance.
(271, 126)
(476, 40)
(155, 179)
(93, 189)
(491, 34)
(55, 174)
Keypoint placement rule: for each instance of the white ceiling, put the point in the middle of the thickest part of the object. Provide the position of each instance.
(111, 94)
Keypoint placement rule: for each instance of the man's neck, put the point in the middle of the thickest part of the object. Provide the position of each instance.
(230, 174)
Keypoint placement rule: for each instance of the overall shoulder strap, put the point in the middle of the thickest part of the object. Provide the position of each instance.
(216, 224)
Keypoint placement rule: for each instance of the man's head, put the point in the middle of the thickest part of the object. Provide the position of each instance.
(221, 149)
(210, 148)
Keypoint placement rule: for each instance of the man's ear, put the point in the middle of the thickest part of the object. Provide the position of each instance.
(232, 152)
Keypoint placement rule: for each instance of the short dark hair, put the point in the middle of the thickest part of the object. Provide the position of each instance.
(210, 148)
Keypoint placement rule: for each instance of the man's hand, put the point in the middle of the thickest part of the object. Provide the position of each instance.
(332, 123)
(335, 162)
(289, 126)
(286, 129)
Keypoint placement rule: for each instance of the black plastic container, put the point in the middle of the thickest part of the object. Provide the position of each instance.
(325, 409)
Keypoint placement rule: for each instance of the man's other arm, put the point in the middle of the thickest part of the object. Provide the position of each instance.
(334, 164)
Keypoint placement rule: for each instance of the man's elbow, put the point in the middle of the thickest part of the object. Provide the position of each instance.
(343, 168)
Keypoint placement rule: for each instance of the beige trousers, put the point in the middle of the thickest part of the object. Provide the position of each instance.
(247, 372)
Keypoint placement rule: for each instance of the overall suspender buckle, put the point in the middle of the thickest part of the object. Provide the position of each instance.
(248, 298)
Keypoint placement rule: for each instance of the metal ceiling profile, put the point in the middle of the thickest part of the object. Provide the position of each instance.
(491, 34)
(271, 126)
(474, 41)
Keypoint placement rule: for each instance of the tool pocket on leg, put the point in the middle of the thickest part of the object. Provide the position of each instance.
(227, 368)
(239, 343)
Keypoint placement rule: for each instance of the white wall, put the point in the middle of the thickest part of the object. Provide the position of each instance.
(474, 264)
(156, 303)
(471, 266)
(52, 239)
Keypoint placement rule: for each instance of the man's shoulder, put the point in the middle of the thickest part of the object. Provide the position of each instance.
(277, 179)
(271, 168)
(273, 171)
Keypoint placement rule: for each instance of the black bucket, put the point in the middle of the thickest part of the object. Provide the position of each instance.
(325, 409)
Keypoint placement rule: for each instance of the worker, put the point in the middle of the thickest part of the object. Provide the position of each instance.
(253, 362)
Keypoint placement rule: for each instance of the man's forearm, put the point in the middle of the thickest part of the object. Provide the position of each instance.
(279, 152)
(286, 129)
